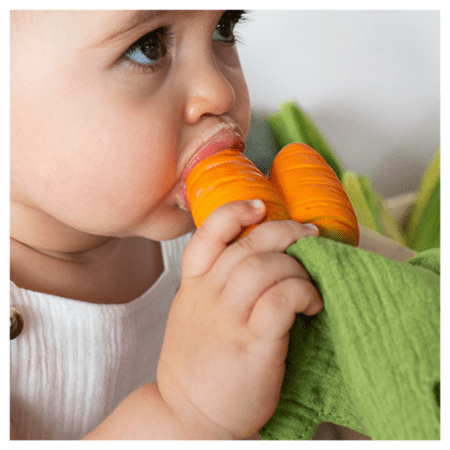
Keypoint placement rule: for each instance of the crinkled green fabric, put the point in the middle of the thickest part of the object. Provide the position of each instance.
(370, 360)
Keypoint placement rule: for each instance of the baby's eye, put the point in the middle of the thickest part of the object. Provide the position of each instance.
(149, 49)
(224, 31)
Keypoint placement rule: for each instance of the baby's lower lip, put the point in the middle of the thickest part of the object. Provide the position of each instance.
(218, 143)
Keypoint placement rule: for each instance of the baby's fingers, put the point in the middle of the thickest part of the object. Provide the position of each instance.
(216, 232)
(274, 313)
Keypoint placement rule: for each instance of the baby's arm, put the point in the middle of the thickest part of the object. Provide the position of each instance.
(222, 361)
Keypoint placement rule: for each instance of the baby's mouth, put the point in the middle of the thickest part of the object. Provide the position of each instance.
(222, 140)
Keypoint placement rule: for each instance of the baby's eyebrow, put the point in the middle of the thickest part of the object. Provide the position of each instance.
(134, 20)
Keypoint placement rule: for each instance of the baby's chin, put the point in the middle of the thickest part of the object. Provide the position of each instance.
(175, 221)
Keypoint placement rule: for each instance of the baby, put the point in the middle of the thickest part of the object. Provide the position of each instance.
(135, 327)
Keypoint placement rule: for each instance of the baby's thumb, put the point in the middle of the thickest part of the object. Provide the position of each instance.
(216, 232)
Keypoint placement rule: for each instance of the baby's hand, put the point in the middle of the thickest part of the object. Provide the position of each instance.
(222, 362)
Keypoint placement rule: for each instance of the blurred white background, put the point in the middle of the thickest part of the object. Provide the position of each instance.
(369, 79)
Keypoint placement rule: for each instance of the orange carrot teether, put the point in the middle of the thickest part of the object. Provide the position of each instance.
(301, 186)
(228, 176)
(313, 193)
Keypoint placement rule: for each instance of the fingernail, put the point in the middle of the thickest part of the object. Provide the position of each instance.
(312, 227)
(257, 204)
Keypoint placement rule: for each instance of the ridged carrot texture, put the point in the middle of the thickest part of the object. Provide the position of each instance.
(228, 176)
(313, 193)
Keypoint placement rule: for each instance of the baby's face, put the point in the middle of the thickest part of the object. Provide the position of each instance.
(106, 113)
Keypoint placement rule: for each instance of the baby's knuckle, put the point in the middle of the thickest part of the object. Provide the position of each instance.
(294, 228)
(280, 295)
(247, 243)
(286, 228)
(254, 263)
(271, 226)
(293, 290)
(304, 290)
(298, 285)
(235, 208)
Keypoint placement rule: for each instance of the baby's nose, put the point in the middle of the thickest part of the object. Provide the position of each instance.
(209, 92)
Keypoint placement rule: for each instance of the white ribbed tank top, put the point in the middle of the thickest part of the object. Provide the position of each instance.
(75, 361)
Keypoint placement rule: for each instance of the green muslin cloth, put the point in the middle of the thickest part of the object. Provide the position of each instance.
(370, 360)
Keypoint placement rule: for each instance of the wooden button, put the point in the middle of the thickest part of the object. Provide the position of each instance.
(15, 323)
